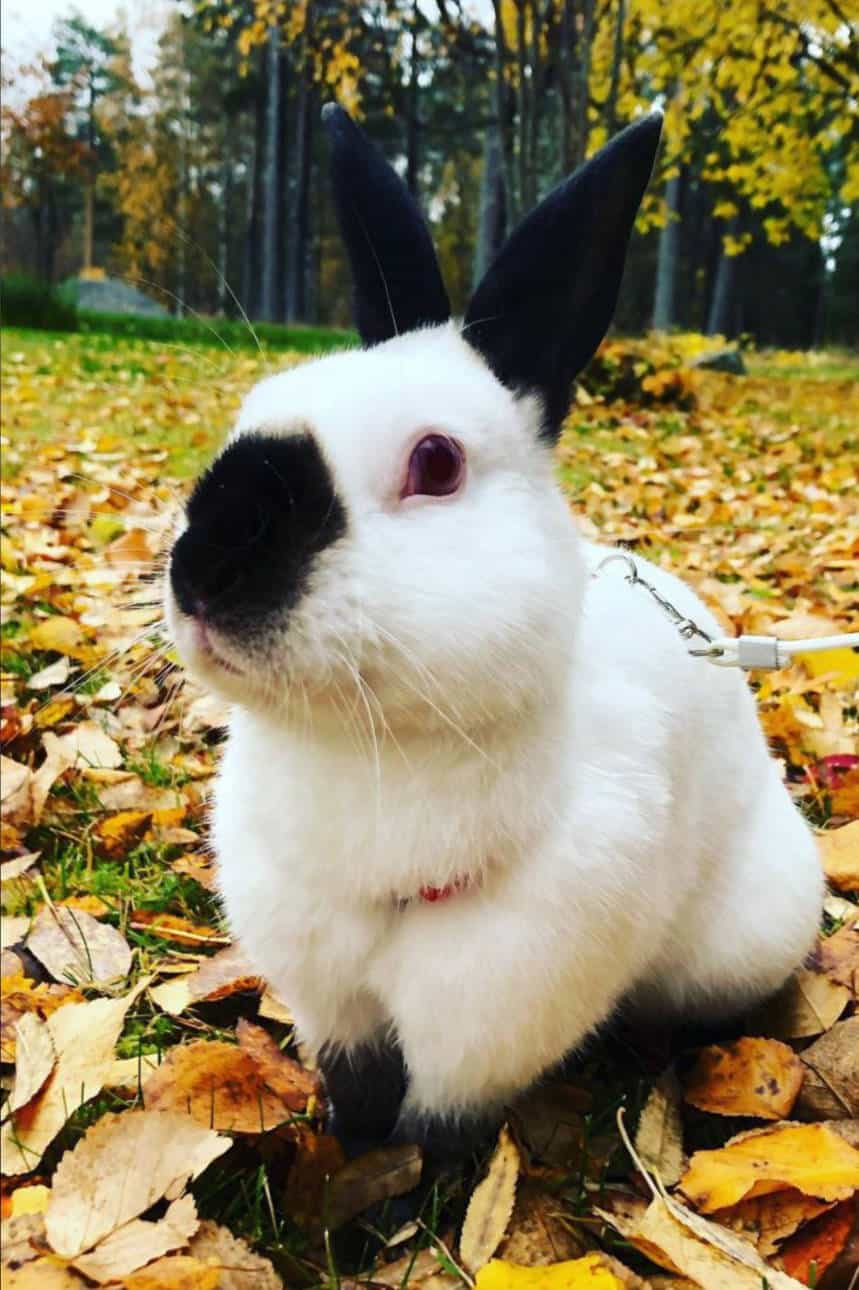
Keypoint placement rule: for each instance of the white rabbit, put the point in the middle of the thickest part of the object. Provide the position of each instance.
(471, 797)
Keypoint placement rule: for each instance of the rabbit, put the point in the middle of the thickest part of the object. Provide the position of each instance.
(472, 796)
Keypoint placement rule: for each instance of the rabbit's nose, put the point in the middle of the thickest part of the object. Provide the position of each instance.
(256, 522)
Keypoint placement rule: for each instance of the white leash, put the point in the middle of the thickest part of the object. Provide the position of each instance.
(766, 653)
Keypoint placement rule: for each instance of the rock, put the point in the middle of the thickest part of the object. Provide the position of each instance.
(721, 360)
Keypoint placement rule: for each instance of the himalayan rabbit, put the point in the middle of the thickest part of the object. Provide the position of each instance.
(472, 797)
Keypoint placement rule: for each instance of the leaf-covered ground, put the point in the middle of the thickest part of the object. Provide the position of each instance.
(144, 1063)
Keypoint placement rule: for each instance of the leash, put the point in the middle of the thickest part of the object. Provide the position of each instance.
(751, 653)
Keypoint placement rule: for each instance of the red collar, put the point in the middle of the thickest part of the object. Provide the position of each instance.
(435, 895)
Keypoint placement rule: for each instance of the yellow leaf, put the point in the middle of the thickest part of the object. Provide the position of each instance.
(57, 633)
(590, 1273)
(842, 665)
(810, 1157)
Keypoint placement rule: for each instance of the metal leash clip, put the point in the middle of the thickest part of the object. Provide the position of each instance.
(687, 627)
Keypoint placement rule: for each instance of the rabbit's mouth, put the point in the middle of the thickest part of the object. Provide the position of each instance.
(205, 645)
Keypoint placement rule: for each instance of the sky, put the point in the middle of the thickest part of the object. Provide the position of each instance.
(27, 25)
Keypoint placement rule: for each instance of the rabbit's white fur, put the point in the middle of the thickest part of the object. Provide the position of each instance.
(610, 799)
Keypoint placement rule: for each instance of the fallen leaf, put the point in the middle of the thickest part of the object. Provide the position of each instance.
(754, 1077)
(839, 849)
(54, 674)
(122, 1166)
(218, 1085)
(371, 1178)
(30, 1200)
(22, 1239)
(73, 946)
(20, 995)
(271, 1008)
(128, 1074)
(549, 1119)
(417, 1268)
(318, 1157)
(770, 1220)
(225, 973)
(593, 1272)
(808, 1255)
(34, 1059)
(13, 929)
(139, 1242)
(15, 795)
(199, 867)
(171, 927)
(84, 1036)
(830, 1090)
(295, 1086)
(57, 633)
(238, 1267)
(11, 869)
(838, 956)
(808, 1005)
(491, 1205)
(86, 745)
(175, 1272)
(44, 1274)
(809, 1157)
(659, 1137)
(540, 1231)
(120, 833)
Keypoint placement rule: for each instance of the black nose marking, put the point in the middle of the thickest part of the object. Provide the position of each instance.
(257, 519)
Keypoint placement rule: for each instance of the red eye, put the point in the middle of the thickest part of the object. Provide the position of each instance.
(436, 467)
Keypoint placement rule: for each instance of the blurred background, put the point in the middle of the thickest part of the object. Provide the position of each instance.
(167, 157)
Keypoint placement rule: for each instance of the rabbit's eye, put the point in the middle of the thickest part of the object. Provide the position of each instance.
(436, 467)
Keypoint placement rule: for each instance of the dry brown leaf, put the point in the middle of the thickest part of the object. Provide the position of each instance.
(754, 1077)
(84, 1037)
(73, 946)
(838, 956)
(34, 1059)
(19, 865)
(139, 1242)
(237, 1265)
(198, 866)
(659, 1137)
(15, 791)
(44, 1274)
(808, 1005)
(122, 1166)
(831, 1087)
(839, 849)
(218, 1085)
(225, 973)
(491, 1205)
(377, 1176)
(171, 927)
(127, 1075)
(13, 929)
(19, 995)
(769, 1220)
(540, 1231)
(549, 1119)
(175, 1272)
(271, 1008)
(817, 1246)
(318, 1157)
(417, 1268)
(119, 834)
(87, 744)
(296, 1087)
(810, 1157)
(22, 1238)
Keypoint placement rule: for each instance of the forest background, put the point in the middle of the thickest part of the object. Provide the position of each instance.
(203, 182)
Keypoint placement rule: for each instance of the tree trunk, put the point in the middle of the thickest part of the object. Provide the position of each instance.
(522, 91)
(272, 221)
(224, 218)
(89, 189)
(492, 217)
(616, 63)
(505, 113)
(299, 250)
(583, 88)
(720, 313)
(666, 263)
(412, 112)
(253, 209)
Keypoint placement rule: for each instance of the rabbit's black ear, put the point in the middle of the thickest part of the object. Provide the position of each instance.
(546, 301)
(397, 281)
